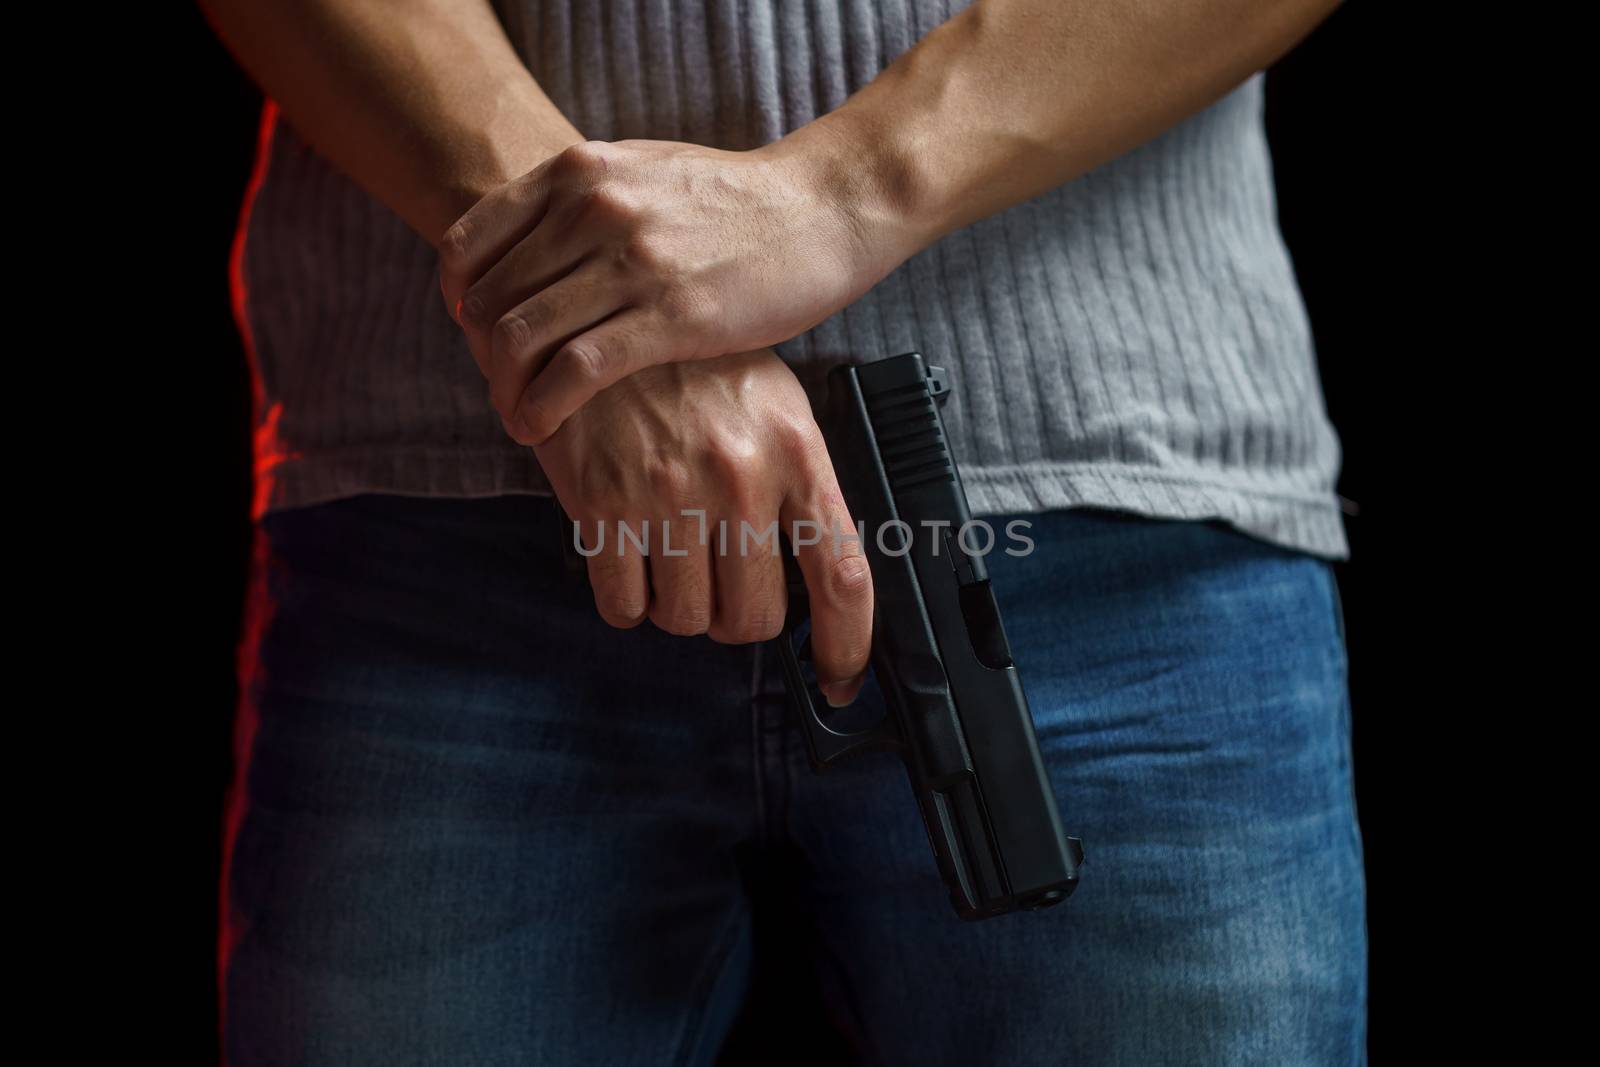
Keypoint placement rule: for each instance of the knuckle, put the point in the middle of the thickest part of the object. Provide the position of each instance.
(504, 395)
(472, 310)
(730, 634)
(798, 437)
(687, 617)
(584, 359)
(453, 250)
(584, 156)
(848, 579)
(735, 463)
(517, 433)
(641, 252)
(620, 609)
(574, 167)
(512, 335)
(760, 632)
(763, 621)
(540, 421)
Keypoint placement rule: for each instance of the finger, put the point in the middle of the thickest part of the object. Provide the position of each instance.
(751, 597)
(617, 574)
(542, 258)
(837, 579)
(629, 341)
(490, 229)
(680, 577)
(525, 338)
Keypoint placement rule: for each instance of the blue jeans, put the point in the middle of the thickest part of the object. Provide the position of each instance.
(473, 825)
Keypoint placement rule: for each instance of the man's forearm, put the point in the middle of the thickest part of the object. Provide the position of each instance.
(1011, 98)
(423, 102)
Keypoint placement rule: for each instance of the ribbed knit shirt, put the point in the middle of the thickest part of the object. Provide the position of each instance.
(1133, 339)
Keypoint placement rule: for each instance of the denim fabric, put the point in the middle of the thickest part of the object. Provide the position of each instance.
(476, 826)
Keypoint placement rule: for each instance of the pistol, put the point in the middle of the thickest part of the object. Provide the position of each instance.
(955, 710)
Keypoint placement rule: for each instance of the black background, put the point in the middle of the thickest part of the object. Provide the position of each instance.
(1354, 228)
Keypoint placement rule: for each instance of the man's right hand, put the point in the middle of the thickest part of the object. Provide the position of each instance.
(732, 437)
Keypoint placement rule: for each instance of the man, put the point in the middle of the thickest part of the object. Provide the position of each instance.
(479, 819)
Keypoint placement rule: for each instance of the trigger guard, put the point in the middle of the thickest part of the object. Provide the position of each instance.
(824, 744)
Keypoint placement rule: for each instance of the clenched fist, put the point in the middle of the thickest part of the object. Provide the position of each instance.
(702, 464)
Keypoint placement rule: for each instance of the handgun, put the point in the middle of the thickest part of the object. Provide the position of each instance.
(955, 709)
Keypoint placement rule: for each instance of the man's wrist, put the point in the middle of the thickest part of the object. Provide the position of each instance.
(875, 181)
(492, 163)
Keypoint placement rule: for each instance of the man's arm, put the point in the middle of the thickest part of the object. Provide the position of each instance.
(425, 105)
(1011, 98)
(422, 102)
(613, 257)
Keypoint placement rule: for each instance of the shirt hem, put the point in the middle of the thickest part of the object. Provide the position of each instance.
(1288, 516)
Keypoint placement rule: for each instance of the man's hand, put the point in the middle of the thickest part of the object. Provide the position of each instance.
(732, 441)
(608, 258)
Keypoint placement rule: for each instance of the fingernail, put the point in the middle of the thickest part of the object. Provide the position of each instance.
(841, 694)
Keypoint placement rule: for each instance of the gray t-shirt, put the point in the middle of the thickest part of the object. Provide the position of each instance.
(1134, 339)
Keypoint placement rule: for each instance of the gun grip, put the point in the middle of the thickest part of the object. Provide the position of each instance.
(824, 744)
